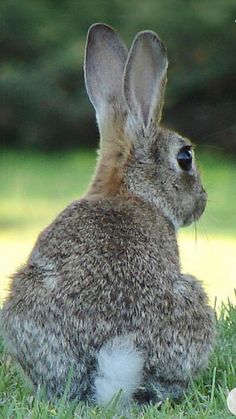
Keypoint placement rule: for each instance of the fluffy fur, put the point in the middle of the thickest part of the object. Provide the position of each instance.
(120, 368)
(108, 266)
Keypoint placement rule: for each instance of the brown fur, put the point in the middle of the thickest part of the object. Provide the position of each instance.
(108, 178)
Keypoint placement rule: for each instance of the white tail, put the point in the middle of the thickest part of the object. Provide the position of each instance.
(120, 367)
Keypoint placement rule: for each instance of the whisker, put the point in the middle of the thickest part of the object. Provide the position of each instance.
(217, 149)
(212, 203)
(232, 128)
(204, 231)
(195, 232)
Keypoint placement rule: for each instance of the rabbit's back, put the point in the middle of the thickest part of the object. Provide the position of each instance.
(92, 234)
(104, 269)
(107, 263)
(96, 251)
(107, 267)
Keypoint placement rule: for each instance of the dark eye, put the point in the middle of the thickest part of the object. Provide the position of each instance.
(185, 158)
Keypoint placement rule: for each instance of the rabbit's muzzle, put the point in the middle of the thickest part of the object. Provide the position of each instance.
(199, 208)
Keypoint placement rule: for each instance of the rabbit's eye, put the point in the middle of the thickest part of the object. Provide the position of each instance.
(185, 158)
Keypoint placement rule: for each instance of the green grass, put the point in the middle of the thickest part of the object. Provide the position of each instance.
(206, 396)
(219, 175)
(34, 188)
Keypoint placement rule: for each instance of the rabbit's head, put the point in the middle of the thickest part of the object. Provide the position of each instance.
(137, 155)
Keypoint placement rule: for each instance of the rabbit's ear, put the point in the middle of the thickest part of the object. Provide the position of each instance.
(145, 77)
(105, 58)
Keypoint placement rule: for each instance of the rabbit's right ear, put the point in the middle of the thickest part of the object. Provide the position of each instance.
(105, 58)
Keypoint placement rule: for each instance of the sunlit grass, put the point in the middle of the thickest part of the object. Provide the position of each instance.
(212, 261)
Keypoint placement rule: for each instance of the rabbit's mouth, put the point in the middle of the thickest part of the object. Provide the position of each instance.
(198, 210)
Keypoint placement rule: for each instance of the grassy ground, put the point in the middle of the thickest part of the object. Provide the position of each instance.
(33, 189)
(206, 397)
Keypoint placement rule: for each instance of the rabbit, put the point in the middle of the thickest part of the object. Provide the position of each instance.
(101, 305)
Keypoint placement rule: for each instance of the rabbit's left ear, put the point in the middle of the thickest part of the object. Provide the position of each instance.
(105, 58)
(145, 77)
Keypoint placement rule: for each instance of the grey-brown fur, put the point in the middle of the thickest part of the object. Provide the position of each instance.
(109, 264)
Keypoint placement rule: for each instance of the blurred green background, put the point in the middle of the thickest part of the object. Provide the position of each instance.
(48, 132)
(43, 105)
